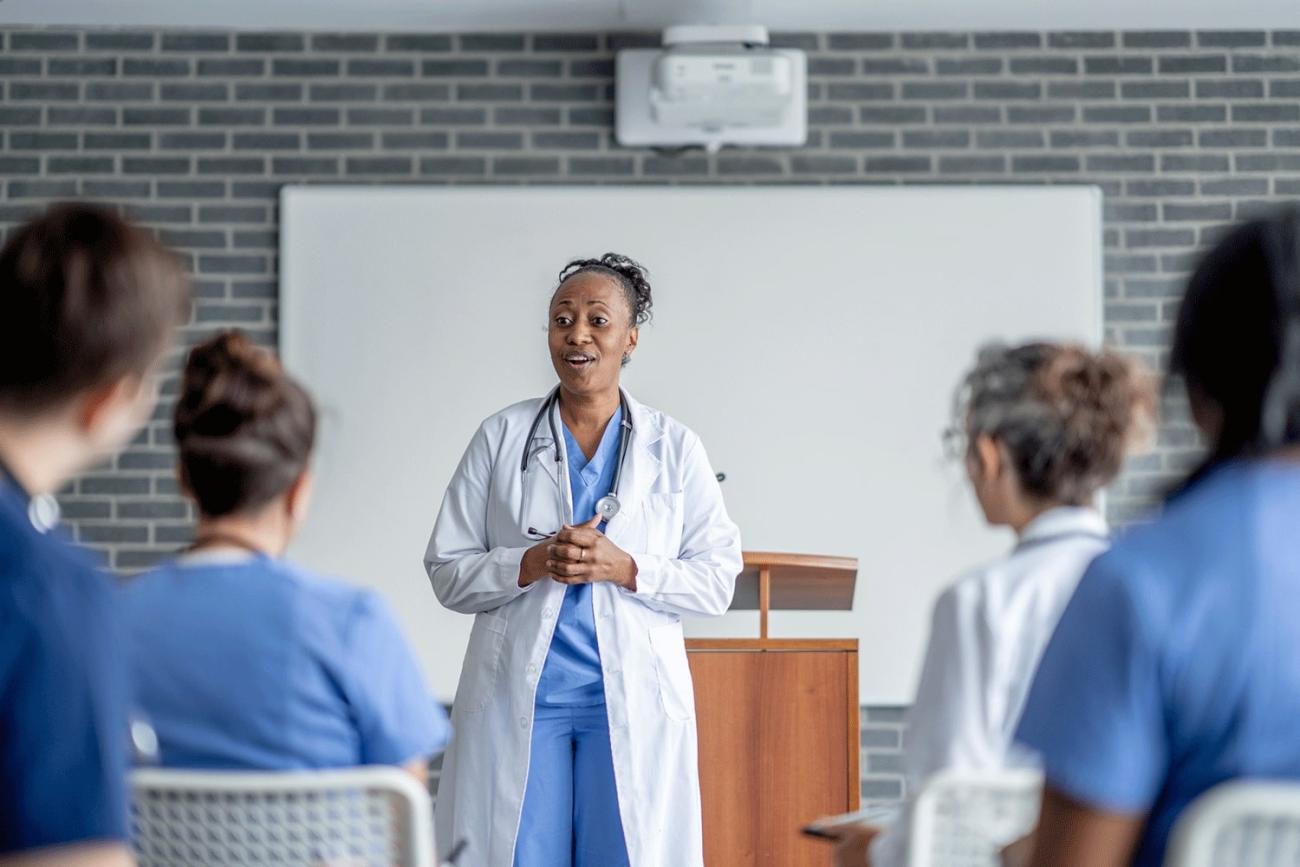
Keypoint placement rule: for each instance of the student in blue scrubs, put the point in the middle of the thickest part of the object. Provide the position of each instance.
(88, 306)
(240, 659)
(1176, 665)
(570, 739)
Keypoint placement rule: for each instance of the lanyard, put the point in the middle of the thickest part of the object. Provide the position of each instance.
(228, 540)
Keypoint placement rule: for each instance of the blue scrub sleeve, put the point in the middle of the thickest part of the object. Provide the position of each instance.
(63, 713)
(397, 719)
(1094, 710)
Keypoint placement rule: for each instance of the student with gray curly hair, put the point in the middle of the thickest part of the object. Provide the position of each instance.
(1040, 428)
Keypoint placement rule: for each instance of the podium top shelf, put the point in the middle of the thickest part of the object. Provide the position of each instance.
(808, 582)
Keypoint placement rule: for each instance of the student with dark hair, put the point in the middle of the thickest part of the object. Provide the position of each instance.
(1176, 665)
(88, 306)
(240, 659)
(1040, 428)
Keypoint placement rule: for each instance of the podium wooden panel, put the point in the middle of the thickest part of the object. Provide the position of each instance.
(778, 726)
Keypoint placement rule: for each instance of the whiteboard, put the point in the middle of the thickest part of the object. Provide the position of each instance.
(811, 336)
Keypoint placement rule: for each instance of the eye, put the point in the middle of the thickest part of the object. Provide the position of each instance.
(563, 321)
(599, 320)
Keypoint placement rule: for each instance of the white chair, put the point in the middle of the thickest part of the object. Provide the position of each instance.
(359, 817)
(963, 819)
(1239, 824)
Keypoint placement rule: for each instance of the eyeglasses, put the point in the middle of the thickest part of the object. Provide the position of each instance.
(955, 442)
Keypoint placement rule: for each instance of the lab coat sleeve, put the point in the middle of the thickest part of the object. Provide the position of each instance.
(950, 724)
(701, 579)
(466, 574)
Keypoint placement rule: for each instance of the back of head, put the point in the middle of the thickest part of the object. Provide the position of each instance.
(245, 428)
(85, 299)
(1237, 339)
(1065, 415)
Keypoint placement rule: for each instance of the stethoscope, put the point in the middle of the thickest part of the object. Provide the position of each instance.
(42, 509)
(607, 506)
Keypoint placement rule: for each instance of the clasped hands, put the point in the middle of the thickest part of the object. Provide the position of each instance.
(578, 554)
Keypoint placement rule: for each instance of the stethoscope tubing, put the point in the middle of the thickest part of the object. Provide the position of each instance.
(624, 435)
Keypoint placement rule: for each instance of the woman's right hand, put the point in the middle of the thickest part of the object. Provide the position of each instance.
(532, 568)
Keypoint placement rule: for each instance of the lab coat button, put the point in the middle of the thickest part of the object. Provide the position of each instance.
(523, 722)
(548, 613)
(532, 668)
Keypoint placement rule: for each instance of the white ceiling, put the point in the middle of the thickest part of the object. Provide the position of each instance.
(597, 15)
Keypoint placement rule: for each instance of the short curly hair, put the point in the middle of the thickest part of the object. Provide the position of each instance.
(1065, 414)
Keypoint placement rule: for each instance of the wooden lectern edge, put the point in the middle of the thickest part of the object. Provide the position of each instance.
(836, 645)
(755, 559)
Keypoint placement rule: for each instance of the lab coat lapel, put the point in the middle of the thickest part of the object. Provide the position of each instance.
(542, 456)
(644, 463)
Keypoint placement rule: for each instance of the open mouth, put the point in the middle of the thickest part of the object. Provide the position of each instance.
(579, 360)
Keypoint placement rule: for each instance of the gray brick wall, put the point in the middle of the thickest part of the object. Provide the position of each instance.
(194, 133)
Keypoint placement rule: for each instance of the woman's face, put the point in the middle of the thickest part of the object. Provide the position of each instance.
(590, 332)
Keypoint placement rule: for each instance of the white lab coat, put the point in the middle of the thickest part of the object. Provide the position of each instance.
(687, 550)
(988, 633)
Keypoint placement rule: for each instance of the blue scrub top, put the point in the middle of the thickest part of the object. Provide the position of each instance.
(1176, 665)
(63, 697)
(571, 676)
(259, 665)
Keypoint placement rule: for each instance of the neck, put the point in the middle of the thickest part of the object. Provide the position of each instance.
(1025, 514)
(266, 532)
(587, 411)
(41, 455)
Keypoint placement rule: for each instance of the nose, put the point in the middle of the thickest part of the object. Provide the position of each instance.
(578, 335)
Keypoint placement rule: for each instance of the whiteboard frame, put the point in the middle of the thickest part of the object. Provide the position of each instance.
(292, 295)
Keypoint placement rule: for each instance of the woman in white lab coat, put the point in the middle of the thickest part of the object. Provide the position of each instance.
(1041, 428)
(578, 528)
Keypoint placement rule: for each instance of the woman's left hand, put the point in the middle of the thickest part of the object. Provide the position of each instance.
(584, 555)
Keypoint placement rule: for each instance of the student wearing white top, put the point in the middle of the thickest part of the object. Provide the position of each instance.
(1041, 428)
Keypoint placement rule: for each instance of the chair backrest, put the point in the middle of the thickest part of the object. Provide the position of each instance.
(963, 819)
(359, 817)
(1239, 824)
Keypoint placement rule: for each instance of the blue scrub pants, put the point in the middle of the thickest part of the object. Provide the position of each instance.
(570, 814)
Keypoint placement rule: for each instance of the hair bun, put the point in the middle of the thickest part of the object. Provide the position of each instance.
(227, 383)
(244, 428)
(1111, 395)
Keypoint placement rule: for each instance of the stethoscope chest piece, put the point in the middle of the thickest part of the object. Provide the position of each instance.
(607, 507)
(43, 512)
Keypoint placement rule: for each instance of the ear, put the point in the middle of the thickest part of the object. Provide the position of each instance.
(632, 336)
(298, 498)
(99, 405)
(988, 457)
(183, 482)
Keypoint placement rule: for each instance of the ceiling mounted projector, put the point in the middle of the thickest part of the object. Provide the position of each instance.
(710, 87)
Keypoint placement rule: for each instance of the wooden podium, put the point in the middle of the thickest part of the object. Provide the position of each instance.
(777, 718)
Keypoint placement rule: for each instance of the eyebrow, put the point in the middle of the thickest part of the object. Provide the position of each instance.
(563, 302)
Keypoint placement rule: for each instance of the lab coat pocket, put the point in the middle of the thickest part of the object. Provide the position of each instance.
(661, 514)
(676, 690)
(483, 661)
